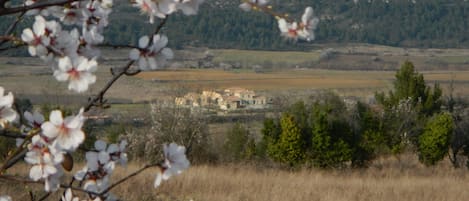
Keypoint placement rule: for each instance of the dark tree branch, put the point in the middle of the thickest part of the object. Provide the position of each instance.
(39, 4)
(12, 26)
(98, 100)
(128, 177)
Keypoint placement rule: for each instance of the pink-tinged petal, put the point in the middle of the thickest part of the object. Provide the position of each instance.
(35, 173)
(78, 86)
(39, 26)
(8, 114)
(49, 130)
(78, 137)
(32, 157)
(134, 54)
(158, 179)
(143, 42)
(27, 35)
(6, 101)
(49, 170)
(160, 43)
(32, 50)
(65, 64)
(142, 63)
(113, 148)
(92, 66)
(28, 116)
(41, 50)
(80, 175)
(168, 53)
(92, 160)
(245, 6)
(56, 117)
(152, 63)
(103, 157)
(61, 75)
(100, 145)
(88, 78)
(38, 117)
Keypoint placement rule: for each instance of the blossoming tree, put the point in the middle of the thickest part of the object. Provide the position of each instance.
(66, 35)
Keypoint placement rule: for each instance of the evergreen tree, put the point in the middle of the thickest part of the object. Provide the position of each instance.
(290, 147)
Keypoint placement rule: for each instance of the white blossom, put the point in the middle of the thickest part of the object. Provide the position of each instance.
(308, 24)
(67, 133)
(7, 114)
(34, 119)
(175, 162)
(149, 8)
(37, 38)
(5, 198)
(248, 5)
(78, 71)
(43, 158)
(151, 56)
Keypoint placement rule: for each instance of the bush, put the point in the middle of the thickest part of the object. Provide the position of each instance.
(434, 142)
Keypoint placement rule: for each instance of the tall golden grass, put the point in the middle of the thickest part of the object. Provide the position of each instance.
(386, 180)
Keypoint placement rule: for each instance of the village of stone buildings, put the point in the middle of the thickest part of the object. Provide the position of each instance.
(227, 100)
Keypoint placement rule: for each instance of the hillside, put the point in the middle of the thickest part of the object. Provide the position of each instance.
(220, 24)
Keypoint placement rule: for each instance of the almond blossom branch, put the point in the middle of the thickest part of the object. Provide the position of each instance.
(41, 4)
(98, 99)
(18, 154)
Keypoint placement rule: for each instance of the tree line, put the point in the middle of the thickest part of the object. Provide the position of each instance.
(328, 132)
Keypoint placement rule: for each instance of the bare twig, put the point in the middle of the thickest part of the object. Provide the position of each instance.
(12, 27)
(39, 4)
(19, 152)
(98, 99)
(44, 197)
(128, 177)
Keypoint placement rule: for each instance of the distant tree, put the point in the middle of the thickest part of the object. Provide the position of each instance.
(410, 84)
(270, 136)
(330, 139)
(407, 107)
(290, 146)
(236, 144)
(435, 140)
(368, 136)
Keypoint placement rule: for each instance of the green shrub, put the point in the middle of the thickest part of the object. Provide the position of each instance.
(434, 142)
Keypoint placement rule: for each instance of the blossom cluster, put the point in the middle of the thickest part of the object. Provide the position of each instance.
(48, 152)
(288, 28)
(7, 114)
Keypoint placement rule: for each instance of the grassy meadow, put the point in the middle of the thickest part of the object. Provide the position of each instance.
(388, 179)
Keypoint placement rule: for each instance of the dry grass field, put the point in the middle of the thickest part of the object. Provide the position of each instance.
(302, 79)
(386, 180)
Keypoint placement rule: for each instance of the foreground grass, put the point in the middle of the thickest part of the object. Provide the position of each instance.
(386, 180)
(240, 183)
